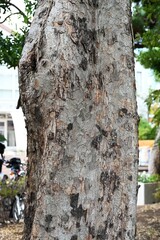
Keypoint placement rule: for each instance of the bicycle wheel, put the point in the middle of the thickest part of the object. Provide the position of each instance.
(15, 211)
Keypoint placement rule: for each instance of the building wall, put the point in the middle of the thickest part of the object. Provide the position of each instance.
(14, 133)
(12, 123)
(144, 83)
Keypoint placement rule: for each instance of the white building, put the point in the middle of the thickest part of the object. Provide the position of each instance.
(12, 124)
(145, 82)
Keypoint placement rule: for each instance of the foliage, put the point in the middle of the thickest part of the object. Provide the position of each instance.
(12, 188)
(145, 178)
(157, 193)
(146, 27)
(11, 46)
(152, 102)
(2, 138)
(145, 130)
(145, 23)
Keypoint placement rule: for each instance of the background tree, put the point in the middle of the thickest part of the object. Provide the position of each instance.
(146, 19)
(146, 131)
(11, 45)
(78, 95)
(154, 100)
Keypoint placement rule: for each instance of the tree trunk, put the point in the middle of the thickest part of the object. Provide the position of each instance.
(154, 164)
(78, 94)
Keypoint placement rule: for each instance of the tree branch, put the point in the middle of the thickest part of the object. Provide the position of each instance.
(8, 17)
(6, 4)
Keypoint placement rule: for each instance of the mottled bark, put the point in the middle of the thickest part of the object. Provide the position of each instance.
(154, 164)
(78, 94)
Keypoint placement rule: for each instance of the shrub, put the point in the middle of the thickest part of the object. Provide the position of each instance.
(145, 130)
(157, 193)
(145, 178)
(11, 188)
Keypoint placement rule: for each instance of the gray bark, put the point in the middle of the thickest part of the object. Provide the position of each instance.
(154, 164)
(78, 94)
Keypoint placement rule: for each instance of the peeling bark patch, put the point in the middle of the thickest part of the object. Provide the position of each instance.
(74, 237)
(72, 86)
(30, 213)
(92, 231)
(120, 234)
(101, 233)
(130, 61)
(100, 79)
(32, 196)
(96, 142)
(100, 199)
(89, 83)
(112, 39)
(111, 225)
(78, 225)
(53, 173)
(83, 64)
(110, 180)
(66, 160)
(33, 60)
(90, 108)
(92, 56)
(30, 63)
(130, 178)
(70, 126)
(76, 211)
(74, 200)
(51, 136)
(93, 3)
(102, 131)
(113, 140)
(123, 112)
(38, 115)
(60, 137)
(81, 115)
(115, 73)
(79, 212)
(48, 220)
(84, 37)
(43, 13)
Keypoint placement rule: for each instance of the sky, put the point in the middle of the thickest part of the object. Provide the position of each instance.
(14, 22)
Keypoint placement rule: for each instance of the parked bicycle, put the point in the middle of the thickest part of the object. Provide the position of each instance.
(15, 183)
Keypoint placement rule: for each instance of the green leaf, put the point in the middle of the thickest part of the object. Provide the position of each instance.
(2, 138)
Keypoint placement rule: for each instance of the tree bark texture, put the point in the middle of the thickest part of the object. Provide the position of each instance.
(154, 164)
(78, 94)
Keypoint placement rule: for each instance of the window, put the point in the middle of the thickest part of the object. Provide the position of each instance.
(2, 128)
(7, 129)
(11, 141)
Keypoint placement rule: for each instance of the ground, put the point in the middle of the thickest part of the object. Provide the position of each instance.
(148, 222)
(148, 225)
